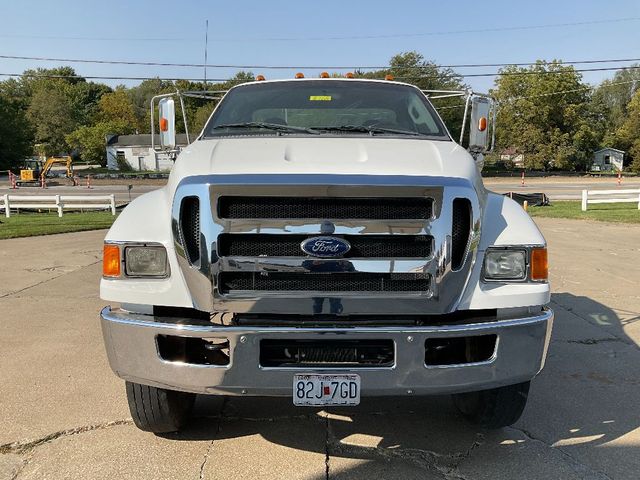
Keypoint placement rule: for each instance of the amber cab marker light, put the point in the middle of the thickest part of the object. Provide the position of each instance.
(324, 75)
(349, 75)
(111, 260)
(299, 75)
(482, 124)
(260, 78)
(164, 124)
(539, 264)
(389, 77)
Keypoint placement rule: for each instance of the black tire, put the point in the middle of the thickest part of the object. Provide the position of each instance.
(158, 410)
(495, 408)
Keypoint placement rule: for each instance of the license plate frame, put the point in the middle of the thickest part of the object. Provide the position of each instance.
(326, 389)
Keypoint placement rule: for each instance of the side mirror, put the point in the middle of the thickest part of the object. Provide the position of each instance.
(167, 123)
(479, 128)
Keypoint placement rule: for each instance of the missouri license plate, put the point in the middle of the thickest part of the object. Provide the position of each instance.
(321, 389)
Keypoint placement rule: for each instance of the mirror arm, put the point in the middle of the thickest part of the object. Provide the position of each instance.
(464, 118)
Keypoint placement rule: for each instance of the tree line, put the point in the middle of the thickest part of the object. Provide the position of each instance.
(546, 111)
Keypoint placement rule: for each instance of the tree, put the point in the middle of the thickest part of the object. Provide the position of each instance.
(117, 106)
(91, 140)
(15, 133)
(628, 135)
(543, 113)
(53, 117)
(411, 67)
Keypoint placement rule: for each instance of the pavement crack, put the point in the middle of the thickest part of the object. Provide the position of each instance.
(585, 471)
(20, 290)
(443, 465)
(594, 341)
(27, 446)
(205, 459)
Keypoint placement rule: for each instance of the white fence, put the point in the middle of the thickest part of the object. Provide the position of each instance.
(58, 202)
(612, 198)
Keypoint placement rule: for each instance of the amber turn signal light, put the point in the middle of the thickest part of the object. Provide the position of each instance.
(482, 124)
(164, 124)
(111, 260)
(539, 264)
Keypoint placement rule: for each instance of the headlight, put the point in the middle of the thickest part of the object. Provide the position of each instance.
(505, 265)
(145, 261)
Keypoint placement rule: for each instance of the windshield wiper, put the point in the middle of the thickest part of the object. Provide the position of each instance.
(269, 126)
(371, 130)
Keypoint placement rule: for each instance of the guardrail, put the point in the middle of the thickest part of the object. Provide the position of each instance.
(626, 199)
(58, 202)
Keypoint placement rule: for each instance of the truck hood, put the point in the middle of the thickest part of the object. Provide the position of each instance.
(326, 155)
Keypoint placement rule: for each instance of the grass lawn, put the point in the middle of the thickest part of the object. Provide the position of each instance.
(606, 212)
(30, 224)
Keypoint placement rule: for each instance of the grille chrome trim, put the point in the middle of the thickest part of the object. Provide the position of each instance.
(448, 285)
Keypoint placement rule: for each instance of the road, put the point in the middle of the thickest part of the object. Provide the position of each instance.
(64, 414)
(556, 188)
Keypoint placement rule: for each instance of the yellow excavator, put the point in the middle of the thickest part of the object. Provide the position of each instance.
(34, 170)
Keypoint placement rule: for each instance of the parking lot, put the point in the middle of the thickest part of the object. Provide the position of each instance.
(64, 414)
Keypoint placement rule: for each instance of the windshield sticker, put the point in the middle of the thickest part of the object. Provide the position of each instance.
(320, 98)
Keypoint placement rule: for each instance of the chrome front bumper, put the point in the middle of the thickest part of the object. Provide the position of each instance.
(130, 341)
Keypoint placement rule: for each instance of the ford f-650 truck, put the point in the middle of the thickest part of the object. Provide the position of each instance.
(325, 240)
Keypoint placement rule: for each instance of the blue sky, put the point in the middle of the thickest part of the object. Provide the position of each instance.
(295, 33)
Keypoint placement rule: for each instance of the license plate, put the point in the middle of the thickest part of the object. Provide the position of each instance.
(321, 389)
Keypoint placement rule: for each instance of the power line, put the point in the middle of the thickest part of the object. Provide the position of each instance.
(443, 75)
(309, 67)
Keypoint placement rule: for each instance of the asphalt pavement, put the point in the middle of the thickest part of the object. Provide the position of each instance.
(64, 414)
(556, 188)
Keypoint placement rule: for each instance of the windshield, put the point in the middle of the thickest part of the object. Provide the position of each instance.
(326, 107)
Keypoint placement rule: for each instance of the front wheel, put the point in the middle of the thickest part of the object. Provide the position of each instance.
(495, 408)
(158, 410)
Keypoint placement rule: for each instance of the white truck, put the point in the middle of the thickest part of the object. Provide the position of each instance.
(325, 240)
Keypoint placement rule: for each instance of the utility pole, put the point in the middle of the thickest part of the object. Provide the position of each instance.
(206, 42)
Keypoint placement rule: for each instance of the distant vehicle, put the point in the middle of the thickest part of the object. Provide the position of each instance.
(322, 240)
(34, 170)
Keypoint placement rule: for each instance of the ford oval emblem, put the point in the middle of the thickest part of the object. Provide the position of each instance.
(325, 247)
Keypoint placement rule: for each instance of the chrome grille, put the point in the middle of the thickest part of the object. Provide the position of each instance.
(288, 245)
(460, 230)
(190, 228)
(229, 282)
(328, 208)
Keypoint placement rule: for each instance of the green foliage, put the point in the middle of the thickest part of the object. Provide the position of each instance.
(628, 134)
(15, 133)
(91, 140)
(411, 67)
(552, 130)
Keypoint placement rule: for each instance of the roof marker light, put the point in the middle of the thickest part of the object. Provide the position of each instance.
(299, 75)
(324, 75)
(349, 75)
(260, 78)
(389, 77)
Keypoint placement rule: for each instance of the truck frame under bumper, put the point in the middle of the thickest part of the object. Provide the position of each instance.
(133, 350)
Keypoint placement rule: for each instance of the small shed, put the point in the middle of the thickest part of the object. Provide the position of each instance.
(512, 155)
(136, 151)
(608, 159)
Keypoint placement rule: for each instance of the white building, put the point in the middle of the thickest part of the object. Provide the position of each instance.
(608, 159)
(137, 152)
